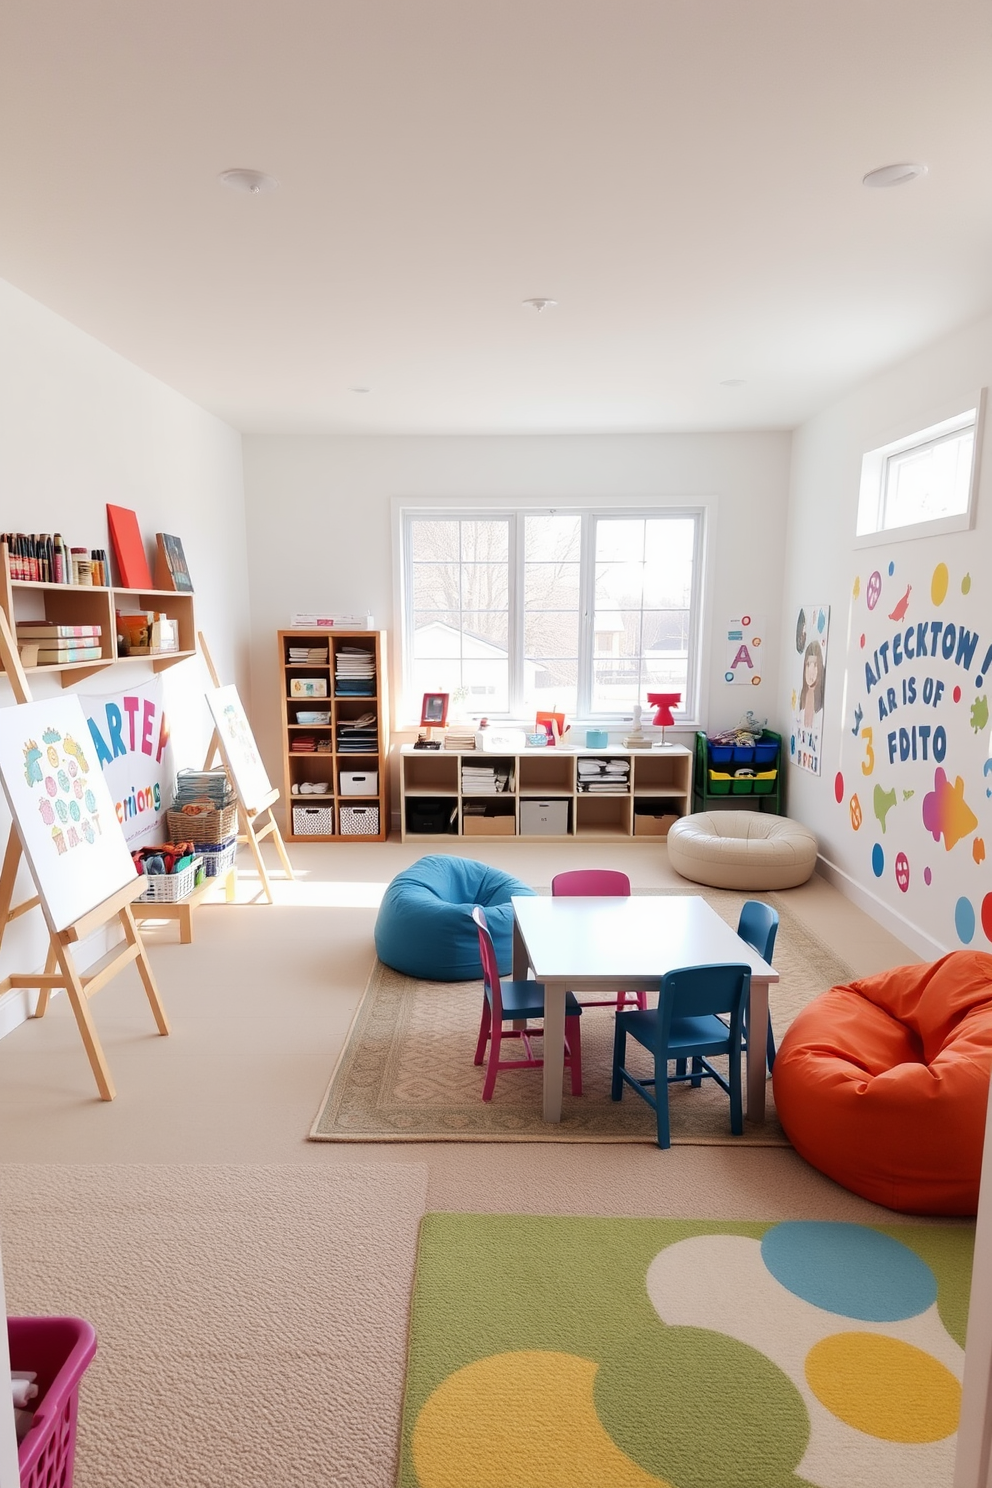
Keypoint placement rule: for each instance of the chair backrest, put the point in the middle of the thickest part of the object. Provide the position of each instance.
(604, 882)
(490, 970)
(758, 925)
(692, 991)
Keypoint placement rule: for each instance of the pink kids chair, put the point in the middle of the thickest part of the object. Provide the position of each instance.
(517, 1002)
(607, 883)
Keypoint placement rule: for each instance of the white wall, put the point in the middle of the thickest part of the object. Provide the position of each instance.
(320, 533)
(823, 566)
(81, 427)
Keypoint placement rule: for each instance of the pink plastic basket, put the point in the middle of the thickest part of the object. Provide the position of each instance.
(59, 1349)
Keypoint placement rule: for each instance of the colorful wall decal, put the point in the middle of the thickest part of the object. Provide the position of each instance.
(805, 739)
(916, 733)
(744, 640)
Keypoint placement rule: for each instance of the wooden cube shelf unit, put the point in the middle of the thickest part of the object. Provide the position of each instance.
(331, 763)
(28, 600)
(543, 798)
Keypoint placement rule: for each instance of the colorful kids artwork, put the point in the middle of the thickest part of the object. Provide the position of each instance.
(744, 638)
(61, 807)
(806, 736)
(131, 738)
(915, 777)
(238, 746)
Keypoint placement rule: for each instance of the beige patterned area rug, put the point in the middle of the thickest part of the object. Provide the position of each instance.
(406, 1073)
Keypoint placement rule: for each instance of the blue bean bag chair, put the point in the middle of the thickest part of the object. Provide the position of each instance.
(425, 926)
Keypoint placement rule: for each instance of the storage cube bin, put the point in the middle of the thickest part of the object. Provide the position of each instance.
(543, 818)
(764, 782)
(742, 785)
(313, 821)
(218, 857)
(486, 825)
(765, 754)
(359, 821)
(721, 754)
(719, 783)
(743, 754)
(429, 814)
(358, 782)
(653, 826)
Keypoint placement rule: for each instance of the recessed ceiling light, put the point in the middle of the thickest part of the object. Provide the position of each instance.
(540, 304)
(732, 382)
(359, 390)
(893, 175)
(251, 181)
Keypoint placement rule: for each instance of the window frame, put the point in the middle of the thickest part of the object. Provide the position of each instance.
(406, 512)
(943, 424)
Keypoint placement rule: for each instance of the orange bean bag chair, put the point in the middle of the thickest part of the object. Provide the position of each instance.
(883, 1084)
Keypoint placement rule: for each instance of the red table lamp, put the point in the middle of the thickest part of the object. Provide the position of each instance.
(664, 702)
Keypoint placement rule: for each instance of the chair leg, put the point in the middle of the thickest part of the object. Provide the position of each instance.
(770, 1046)
(736, 1099)
(697, 1073)
(487, 1018)
(642, 1001)
(492, 1068)
(573, 1039)
(619, 1057)
(680, 1068)
(661, 1104)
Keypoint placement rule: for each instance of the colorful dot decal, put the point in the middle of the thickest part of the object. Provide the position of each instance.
(902, 873)
(884, 1387)
(987, 916)
(847, 1269)
(966, 584)
(938, 584)
(892, 569)
(964, 920)
(927, 876)
(874, 589)
(956, 694)
(877, 860)
(838, 787)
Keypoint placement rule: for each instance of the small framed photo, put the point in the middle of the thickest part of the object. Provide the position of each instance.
(435, 709)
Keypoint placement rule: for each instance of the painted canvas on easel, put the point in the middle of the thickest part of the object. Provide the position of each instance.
(238, 746)
(806, 738)
(61, 807)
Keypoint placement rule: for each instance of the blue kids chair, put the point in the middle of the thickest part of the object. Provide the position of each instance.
(758, 926)
(685, 1025)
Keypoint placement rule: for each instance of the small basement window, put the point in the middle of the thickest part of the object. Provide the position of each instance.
(924, 482)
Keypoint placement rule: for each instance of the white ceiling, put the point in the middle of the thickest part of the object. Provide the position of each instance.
(683, 176)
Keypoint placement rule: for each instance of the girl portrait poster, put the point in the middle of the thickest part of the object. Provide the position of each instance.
(812, 626)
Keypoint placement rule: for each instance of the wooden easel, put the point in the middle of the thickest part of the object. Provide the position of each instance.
(60, 969)
(252, 824)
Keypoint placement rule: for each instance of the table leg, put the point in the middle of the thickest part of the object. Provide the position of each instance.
(757, 1024)
(519, 967)
(554, 1048)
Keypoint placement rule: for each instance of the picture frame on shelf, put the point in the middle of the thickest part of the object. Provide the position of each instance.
(434, 709)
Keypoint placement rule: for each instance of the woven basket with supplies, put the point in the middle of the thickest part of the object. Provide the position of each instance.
(204, 809)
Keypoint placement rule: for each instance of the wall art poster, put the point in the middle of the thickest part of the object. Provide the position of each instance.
(131, 739)
(61, 807)
(744, 639)
(806, 736)
(914, 787)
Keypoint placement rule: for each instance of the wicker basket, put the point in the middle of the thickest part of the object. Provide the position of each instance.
(218, 857)
(169, 888)
(206, 827)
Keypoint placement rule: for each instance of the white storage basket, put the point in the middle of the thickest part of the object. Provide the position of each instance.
(359, 821)
(313, 821)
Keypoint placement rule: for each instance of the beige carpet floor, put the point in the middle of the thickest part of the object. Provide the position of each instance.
(407, 1071)
(260, 1006)
(251, 1321)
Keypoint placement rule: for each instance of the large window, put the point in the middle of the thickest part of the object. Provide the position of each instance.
(585, 612)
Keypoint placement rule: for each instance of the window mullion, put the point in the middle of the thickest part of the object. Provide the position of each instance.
(587, 608)
(516, 592)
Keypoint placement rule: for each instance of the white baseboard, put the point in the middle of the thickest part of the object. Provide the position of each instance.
(888, 918)
(16, 1006)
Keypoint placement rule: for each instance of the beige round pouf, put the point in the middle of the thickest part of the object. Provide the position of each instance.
(742, 850)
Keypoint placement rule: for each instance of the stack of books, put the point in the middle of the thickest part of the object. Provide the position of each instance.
(303, 744)
(354, 672)
(460, 738)
(204, 785)
(358, 735)
(43, 643)
(605, 777)
(485, 780)
(308, 655)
